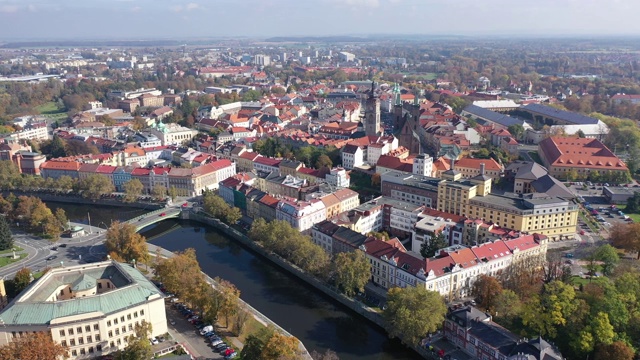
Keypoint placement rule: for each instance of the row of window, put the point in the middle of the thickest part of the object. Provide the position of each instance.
(83, 351)
(81, 340)
(115, 320)
(78, 330)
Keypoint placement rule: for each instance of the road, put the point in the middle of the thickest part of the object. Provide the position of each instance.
(84, 249)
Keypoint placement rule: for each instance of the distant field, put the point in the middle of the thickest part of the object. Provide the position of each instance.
(52, 110)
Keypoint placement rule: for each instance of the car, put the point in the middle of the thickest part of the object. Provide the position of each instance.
(568, 255)
(63, 245)
(55, 248)
(219, 347)
(161, 338)
(163, 214)
(229, 351)
(185, 204)
(52, 257)
(216, 342)
(581, 232)
(154, 341)
(172, 322)
(231, 356)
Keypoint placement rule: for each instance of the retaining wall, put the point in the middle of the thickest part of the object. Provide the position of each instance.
(84, 201)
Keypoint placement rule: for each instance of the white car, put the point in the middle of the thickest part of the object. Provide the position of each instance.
(154, 341)
(217, 342)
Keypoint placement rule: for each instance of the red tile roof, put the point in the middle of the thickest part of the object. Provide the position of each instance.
(579, 152)
(491, 250)
(472, 163)
(61, 165)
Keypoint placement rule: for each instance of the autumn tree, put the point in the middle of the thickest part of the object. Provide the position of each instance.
(215, 206)
(352, 271)
(94, 186)
(544, 313)
(36, 346)
(413, 312)
(123, 243)
(255, 343)
(323, 161)
(180, 273)
(627, 237)
(6, 237)
(507, 305)
(159, 192)
(617, 350)
(280, 347)
(229, 299)
(173, 193)
(486, 289)
(430, 247)
(132, 189)
(138, 345)
(22, 279)
(240, 321)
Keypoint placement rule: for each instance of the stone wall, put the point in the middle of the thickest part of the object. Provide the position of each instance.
(83, 201)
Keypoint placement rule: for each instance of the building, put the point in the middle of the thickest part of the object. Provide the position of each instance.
(372, 114)
(548, 115)
(29, 162)
(531, 177)
(416, 189)
(618, 194)
(488, 117)
(335, 239)
(56, 169)
(338, 178)
(472, 167)
(31, 131)
(548, 215)
(475, 333)
(582, 156)
(172, 134)
(82, 307)
(301, 215)
(430, 223)
(363, 219)
(352, 156)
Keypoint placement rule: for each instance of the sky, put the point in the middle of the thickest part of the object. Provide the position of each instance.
(183, 19)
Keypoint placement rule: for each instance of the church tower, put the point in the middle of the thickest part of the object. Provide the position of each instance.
(398, 120)
(372, 113)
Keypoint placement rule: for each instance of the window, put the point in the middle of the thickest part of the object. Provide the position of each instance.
(135, 314)
(91, 350)
(74, 353)
(99, 347)
(141, 312)
(70, 331)
(130, 327)
(110, 333)
(96, 327)
(124, 329)
(122, 319)
(80, 341)
(115, 321)
(63, 342)
(79, 329)
(129, 317)
(72, 342)
(109, 323)
(88, 339)
(87, 328)
(112, 344)
(97, 337)
(119, 342)
(82, 352)
(61, 332)
(117, 331)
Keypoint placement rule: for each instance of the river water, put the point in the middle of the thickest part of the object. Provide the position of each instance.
(314, 318)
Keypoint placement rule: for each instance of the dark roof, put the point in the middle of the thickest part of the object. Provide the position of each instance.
(464, 316)
(528, 170)
(349, 237)
(493, 116)
(551, 186)
(568, 116)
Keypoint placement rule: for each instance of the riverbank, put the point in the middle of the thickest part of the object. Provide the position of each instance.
(355, 306)
(83, 201)
(259, 317)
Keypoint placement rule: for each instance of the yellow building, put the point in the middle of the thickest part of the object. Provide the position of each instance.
(551, 216)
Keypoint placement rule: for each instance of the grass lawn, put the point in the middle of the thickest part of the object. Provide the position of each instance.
(8, 251)
(634, 217)
(251, 327)
(534, 155)
(52, 110)
(8, 260)
(577, 280)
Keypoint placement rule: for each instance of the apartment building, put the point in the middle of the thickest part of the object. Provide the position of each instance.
(82, 308)
(302, 215)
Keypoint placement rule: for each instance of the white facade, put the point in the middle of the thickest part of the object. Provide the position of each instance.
(352, 160)
(301, 215)
(38, 133)
(423, 165)
(338, 177)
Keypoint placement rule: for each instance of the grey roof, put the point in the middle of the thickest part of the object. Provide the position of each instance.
(530, 171)
(493, 116)
(349, 237)
(466, 315)
(84, 282)
(32, 308)
(551, 186)
(568, 116)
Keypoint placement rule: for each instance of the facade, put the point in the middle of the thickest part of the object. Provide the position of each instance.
(302, 215)
(82, 307)
(338, 177)
(56, 169)
(471, 167)
(172, 134)
(335, 239)
(352, 156)
(416, 189)
(29, 162)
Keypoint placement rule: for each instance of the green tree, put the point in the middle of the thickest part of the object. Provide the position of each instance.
(544, 313)
(352, 271)
(255, 343)
(251, 95)
(6, 238)
(323, 161)
(22, 279)
(430, 248)
(486, 289)
(123, 243)
(9, 174)
(138, 345)
(132, 189)
(61, 218)
(413, 312)
(65, 182)
(601, 329)
(94, 186)
(516, 130)
(507, 305)
(173, 193)
(159, 192)
(608, 255)
(633, 203)
(581, 134)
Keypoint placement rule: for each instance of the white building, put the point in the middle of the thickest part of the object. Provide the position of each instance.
(90, 308)
(423, 165)
(346, 56)
(33, 131)
(429, 226)
(302, 215)
(352, 156)
(172, 134)
(338, 177)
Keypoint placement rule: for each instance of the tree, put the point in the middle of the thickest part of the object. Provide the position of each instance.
(617, 350)
(633, 203)
(581, 134)
(507, 305)
(240, 321)
(229, 299)
(413, 312)
(516, 130)
(6, 238)
(37, 346)
(173, 193)
(323, 161)
(430, 248)
(159, 192)
(255, 343)
(138, 345)
(608, 255)
(94, 186)
(180, 274)
(627, 237)
(352, 271)
(65, 182)
(544, 313)
(61, 218)
(125, 244)
(486, 290)
(376, 179)
(22, 279)
(280, 347)
(132, 189)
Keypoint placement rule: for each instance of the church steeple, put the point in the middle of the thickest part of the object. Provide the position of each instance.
(396, 94)
(372, 113)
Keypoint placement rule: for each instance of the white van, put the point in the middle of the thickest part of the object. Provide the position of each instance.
(206, 329)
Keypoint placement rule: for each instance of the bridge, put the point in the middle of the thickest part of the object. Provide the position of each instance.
(155, 216)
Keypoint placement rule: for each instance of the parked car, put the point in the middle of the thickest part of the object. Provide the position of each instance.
(231, 356)
(154, 341)
(216, 342)
(163, 214)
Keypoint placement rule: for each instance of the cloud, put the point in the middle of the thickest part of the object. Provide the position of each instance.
(9, 9)
(193, 6)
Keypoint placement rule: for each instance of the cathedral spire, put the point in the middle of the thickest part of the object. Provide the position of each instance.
(396, 92)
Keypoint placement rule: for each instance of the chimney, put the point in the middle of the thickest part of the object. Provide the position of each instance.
(481, 168)
(452, 163)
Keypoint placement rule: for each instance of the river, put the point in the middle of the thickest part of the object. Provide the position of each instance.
(306, 313)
